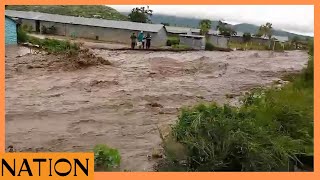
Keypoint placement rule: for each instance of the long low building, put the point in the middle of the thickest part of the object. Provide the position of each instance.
(90, 28)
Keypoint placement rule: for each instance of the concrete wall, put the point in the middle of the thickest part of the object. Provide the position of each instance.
(100, 33)
(260, 41)
(11, 32)
(195, 43)
(219, 41)
(236, 39)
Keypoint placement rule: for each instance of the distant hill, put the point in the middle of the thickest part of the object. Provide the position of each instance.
(179, 21)
(103, 12)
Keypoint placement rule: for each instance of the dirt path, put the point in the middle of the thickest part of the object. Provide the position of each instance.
(122, 105)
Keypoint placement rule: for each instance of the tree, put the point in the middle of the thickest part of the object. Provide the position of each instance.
(246, 37)
(260, 32)
(225, 29)
(295, 41)
(269, 30)
(205, 26)
(140, 14)
(265, 30)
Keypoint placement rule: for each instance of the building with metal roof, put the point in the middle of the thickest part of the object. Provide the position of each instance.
(92, 28)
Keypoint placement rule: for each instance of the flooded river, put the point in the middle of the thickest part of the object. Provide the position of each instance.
(123, 105)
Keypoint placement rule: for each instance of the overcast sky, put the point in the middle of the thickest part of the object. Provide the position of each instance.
(293, 18)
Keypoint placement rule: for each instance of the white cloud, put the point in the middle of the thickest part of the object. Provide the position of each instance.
(294, 18)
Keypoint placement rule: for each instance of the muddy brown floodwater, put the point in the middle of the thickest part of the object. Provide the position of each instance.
(123, 105)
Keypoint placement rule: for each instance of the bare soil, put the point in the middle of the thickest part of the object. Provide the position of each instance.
(49, 108)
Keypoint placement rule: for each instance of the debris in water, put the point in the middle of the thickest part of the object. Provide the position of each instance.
(11, 149)
(256, 55)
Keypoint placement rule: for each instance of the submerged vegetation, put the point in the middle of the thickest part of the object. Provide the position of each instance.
(270, 131)
(49, 45)
(106, 158)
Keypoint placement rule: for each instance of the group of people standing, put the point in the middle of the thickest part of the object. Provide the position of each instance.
(141, 40)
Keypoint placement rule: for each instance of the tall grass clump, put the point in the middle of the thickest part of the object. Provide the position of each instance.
(173, 40)
(270, 131)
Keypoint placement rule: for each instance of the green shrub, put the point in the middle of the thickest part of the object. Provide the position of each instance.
(173, 41)
(106, 158)
(54, 45)
(34, 40)
(22, 35)
(209, 47)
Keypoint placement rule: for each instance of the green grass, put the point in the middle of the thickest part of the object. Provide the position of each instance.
(55, 46)
(248, 46)
(267, 133)
(104, 12)
(180, 47)
(49, 45)
(106, 158)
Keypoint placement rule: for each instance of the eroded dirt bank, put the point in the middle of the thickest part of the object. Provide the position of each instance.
(122, 105)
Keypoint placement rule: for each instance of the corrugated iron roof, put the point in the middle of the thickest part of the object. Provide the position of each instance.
(196, 36)
(180, 30)
(184, 30)
(85, 21)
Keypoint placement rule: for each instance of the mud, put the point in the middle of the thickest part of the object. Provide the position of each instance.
(124, 104)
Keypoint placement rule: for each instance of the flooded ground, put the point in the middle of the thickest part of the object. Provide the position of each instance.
(123, 105)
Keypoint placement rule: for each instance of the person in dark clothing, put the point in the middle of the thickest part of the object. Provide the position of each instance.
(148, 39)
(133, 38)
